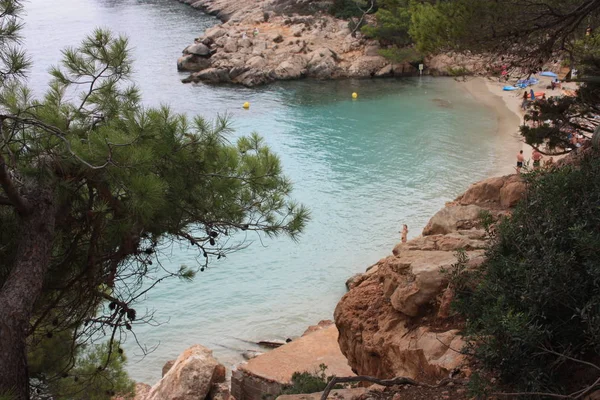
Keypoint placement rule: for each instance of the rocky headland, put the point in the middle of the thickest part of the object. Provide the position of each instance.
(267, 40)
(395, 319)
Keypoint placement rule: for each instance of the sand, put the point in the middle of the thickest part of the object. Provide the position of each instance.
(507, 106)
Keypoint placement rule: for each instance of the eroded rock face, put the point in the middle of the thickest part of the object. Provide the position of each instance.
(191, 376)
(391, 322)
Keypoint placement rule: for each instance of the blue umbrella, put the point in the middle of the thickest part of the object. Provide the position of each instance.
(548, 73)
(532, 94)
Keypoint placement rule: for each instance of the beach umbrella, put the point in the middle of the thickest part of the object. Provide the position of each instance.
(532, 94)
(549, 73)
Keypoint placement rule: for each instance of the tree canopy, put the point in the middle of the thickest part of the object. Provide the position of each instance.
(94, 186)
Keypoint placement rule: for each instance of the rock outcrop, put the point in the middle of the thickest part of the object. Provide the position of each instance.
(193, 375)
(268, 373)
(394, 319)
(264, 40)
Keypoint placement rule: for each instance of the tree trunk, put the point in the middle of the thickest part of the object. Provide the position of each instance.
(22, 288)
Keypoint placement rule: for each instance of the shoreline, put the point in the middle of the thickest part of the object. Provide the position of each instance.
(506, 107)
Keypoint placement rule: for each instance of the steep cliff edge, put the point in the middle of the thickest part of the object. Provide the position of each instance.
(394, 321)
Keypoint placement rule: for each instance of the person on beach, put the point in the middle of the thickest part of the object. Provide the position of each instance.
(520, 159)
(404, 233)
(536, 156)
(525, 101)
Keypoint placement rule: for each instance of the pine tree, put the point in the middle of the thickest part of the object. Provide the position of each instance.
(93, 186)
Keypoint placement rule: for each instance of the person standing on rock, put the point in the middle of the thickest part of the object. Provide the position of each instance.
(404, 233)
(520, 159)
(255, 32)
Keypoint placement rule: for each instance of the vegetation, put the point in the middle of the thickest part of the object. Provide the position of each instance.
(93, 187)
(307, 382)
(533, 308)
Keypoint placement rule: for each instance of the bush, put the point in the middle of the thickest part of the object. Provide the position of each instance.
(538, 293)
(345, 9)
(401, 55)
(306, 382)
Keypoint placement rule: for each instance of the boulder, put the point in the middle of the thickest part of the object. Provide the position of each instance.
(256, 62)
(366, 66)
(192, 63)
(245, 43)
(268, 373)
(168, 365)
(219, 391)
(450, 219)
(212, 75)
(230, 46)
(512, 193)
(215, 33)
(197, 49)
(322, 63)
(388, 70)
(190, 378)
(293, 68)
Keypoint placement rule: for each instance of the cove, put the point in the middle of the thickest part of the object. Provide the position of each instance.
(364, 167)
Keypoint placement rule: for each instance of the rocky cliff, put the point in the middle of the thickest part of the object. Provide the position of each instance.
(267, 40)
(395, 319)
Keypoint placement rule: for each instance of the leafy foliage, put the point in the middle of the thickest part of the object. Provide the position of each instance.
(307, 382)
(536, 300)
(346, 9)
(392, 23)
(401, 55)
(126, 182)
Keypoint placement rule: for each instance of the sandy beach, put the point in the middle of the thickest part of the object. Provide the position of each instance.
(507, 106)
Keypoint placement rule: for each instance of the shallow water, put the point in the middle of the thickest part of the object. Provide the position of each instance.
(363, 167)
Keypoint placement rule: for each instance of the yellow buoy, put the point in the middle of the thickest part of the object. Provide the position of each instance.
(246, 105)
(354, 95)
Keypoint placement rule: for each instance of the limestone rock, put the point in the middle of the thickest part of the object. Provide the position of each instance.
(230, 46)
(211, 75)
(497, 192)
(292, 68)
(219, 391)
(168, 365)
(256, 62)
(367, 66)
(215, 33)
(450, 219)
(245, 43)
(190, 378)
(192, 63)
(388, 70)
(268, 373)
(387, 320)
(511, 193)
(197, 49)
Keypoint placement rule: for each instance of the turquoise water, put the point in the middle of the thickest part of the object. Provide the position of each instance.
(363, 167)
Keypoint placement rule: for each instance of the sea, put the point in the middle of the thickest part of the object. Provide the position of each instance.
(364, 167)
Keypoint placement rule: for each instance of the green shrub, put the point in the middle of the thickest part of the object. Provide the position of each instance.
(458, 71)
(401, 55)
(307, 382)
(346, 9)
(538, 293)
